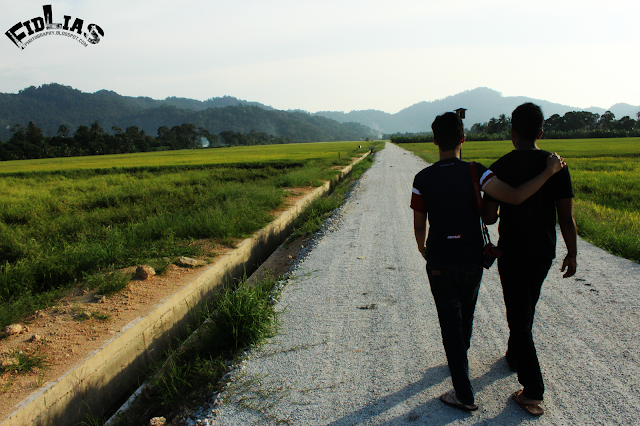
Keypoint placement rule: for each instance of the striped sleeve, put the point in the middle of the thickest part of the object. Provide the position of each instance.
(485, 178)
(417, 203)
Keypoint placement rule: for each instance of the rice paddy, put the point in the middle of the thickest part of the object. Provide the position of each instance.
(606, 182)
(64, 219)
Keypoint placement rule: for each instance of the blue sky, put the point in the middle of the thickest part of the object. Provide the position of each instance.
(336, 55)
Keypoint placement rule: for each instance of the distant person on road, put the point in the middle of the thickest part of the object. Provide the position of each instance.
(443, 193)
(528, 239)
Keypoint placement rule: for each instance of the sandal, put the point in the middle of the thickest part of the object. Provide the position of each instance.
(533, 409)
(451, 400)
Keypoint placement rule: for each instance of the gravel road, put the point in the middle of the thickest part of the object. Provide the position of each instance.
(360, 341)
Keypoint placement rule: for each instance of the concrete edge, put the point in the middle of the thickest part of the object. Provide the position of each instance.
(110, 372)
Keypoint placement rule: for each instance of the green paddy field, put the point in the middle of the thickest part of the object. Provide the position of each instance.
(67, 220)
(606, 181)
(70, 220)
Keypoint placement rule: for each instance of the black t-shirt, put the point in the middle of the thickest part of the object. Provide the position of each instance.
(529, 230)
(444, 191)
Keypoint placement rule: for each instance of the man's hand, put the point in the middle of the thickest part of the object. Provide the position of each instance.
(570, 264)
(569, 234)
(555, 162)
(506, 193)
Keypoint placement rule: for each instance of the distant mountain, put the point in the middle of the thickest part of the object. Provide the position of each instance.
(482, 104)
(377, 120)
(622, 109)
(52, 105)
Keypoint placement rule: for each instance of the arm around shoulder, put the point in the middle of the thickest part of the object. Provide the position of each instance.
(505, 193)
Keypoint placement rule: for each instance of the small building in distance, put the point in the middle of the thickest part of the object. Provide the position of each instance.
(460, 112)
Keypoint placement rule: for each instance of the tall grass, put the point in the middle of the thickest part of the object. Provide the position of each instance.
(52, 231)
(243, 316)
(313, 216)
(57, 227)
(240, 317)
(606, 181)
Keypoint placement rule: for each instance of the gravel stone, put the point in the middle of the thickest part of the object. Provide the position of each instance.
(13, 329)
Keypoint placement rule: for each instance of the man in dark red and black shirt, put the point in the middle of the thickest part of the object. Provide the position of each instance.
(443, 193)
(528, 239)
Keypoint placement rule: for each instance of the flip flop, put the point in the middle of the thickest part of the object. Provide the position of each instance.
(451, 400)
(533, 409)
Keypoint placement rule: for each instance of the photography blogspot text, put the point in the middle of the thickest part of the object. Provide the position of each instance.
(42, 26)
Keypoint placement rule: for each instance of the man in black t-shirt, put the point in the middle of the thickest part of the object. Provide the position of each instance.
(528, 239)
(453, 250)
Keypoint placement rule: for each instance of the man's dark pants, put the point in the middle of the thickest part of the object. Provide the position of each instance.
(455, 292)
(521, 283)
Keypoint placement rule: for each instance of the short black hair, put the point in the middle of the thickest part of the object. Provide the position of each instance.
(448, 130)
(527, 121)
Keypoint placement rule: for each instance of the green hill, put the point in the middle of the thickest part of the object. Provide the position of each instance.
(52, 105)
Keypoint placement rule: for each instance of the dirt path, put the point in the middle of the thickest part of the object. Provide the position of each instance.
(360, 341)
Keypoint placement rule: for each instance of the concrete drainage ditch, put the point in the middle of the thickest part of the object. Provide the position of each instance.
(109, 373)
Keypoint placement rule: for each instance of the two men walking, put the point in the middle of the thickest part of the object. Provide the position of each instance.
(526, 190)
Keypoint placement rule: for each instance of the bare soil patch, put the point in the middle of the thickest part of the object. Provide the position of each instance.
(82, 321)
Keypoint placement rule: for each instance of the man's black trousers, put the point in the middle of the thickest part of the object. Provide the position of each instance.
(455, 292)
(521, 283)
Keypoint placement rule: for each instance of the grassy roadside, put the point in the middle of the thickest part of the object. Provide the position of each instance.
(310, 221)
(606, 182)
(192, 371)
(239, 318)
(60, 227)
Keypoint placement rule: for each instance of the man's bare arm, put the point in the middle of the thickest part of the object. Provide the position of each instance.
(569, 233)
(491, 212)
(420, 230)
(503, 192)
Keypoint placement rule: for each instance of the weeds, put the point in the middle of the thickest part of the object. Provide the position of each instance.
(174, 380)
(82, 315)
(25, 362)
(108, 283)
(161, 265)
(245, 315)
(101, 316)
(60, 225)
(40, 381)
(239, 317)
(311, 220)
(90, 419)
(5, 387)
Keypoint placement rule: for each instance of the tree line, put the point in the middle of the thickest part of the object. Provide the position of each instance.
(30, 143)
(409, 137)
(573, 125)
